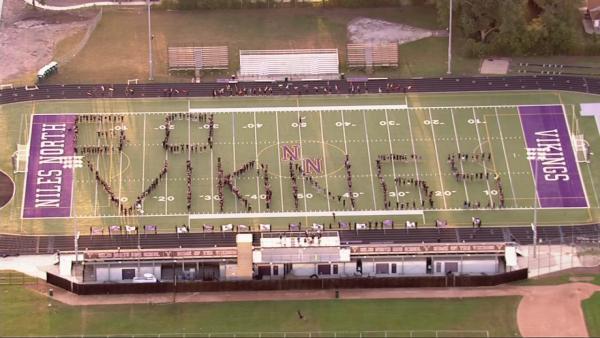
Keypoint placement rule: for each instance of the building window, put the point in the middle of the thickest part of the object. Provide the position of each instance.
(394, 268)
(451, 267)
(264, 270)
(127, 274)
(275, 270)
(335, 269)
(324, 269)
(438, 267)
(382, 268)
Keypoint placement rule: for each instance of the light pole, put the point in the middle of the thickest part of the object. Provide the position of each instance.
(535, 154)
(150, 68)
(450, 40)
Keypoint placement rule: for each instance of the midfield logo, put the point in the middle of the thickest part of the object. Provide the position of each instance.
(291, 152)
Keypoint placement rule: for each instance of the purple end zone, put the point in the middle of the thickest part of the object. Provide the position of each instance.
(48, 187)
(558, 181)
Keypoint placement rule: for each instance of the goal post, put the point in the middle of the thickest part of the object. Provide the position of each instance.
(581, 148)
(20, 158)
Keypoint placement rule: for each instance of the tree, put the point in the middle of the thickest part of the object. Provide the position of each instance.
(478, 18)
(560, 26)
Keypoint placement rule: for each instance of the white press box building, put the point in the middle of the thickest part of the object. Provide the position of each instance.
(289, 255)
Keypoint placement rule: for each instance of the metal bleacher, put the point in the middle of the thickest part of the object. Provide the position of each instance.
(192, 58)
(288, 62)
(372, 55)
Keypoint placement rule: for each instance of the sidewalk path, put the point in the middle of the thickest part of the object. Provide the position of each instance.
(544, 311)
(85, 5)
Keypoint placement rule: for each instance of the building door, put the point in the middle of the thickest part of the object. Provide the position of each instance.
(287, 268)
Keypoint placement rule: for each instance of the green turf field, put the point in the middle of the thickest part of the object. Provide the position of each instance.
(26, 313)
(250, 129)
(591, 309)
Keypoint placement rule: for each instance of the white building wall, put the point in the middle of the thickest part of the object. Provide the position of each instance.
(303, 270)
(487, 266)
(413, 267)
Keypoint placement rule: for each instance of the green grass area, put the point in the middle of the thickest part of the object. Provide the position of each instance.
(117, 50)
(363, 133)
(556, 280)
(591, 310)
(19, 306)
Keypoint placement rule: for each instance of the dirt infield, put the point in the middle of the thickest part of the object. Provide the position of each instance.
(7, 189)
(544, 311)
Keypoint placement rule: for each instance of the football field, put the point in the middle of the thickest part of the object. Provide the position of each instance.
(183, 162)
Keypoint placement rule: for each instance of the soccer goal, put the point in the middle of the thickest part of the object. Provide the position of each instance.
(19, 158)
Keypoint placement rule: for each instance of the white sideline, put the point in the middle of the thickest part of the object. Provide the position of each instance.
(295, 109)
(308, 214)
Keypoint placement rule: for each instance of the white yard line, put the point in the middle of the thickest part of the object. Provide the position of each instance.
(487, 182)
(344, 133)
(120, 173)
(144, 160)
(531, 164)
(564, 111)
(212, 181)
(370, 160)
(96, 184)
(166, 185)
(257, 164)
(506, 159)
(297, 108)
(302, 160)
(324, 162)
(26, 169)
(21, 128)
(593, 185)
(189, 136)
(279, 161)
(462, 169)
(233, 148)
(437, 160)
(412, 143)
(387, 124)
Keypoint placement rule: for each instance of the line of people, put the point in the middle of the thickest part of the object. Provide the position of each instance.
(220, 183)
(168, 92)
(94, 149)
(153, 185)
(100, 118)
(294, 185)
(267, 185)
(177, 148)
(399, 157)
(348, 167)
(188, 175)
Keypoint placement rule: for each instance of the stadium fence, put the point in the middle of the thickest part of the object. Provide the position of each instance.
(288, 284)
